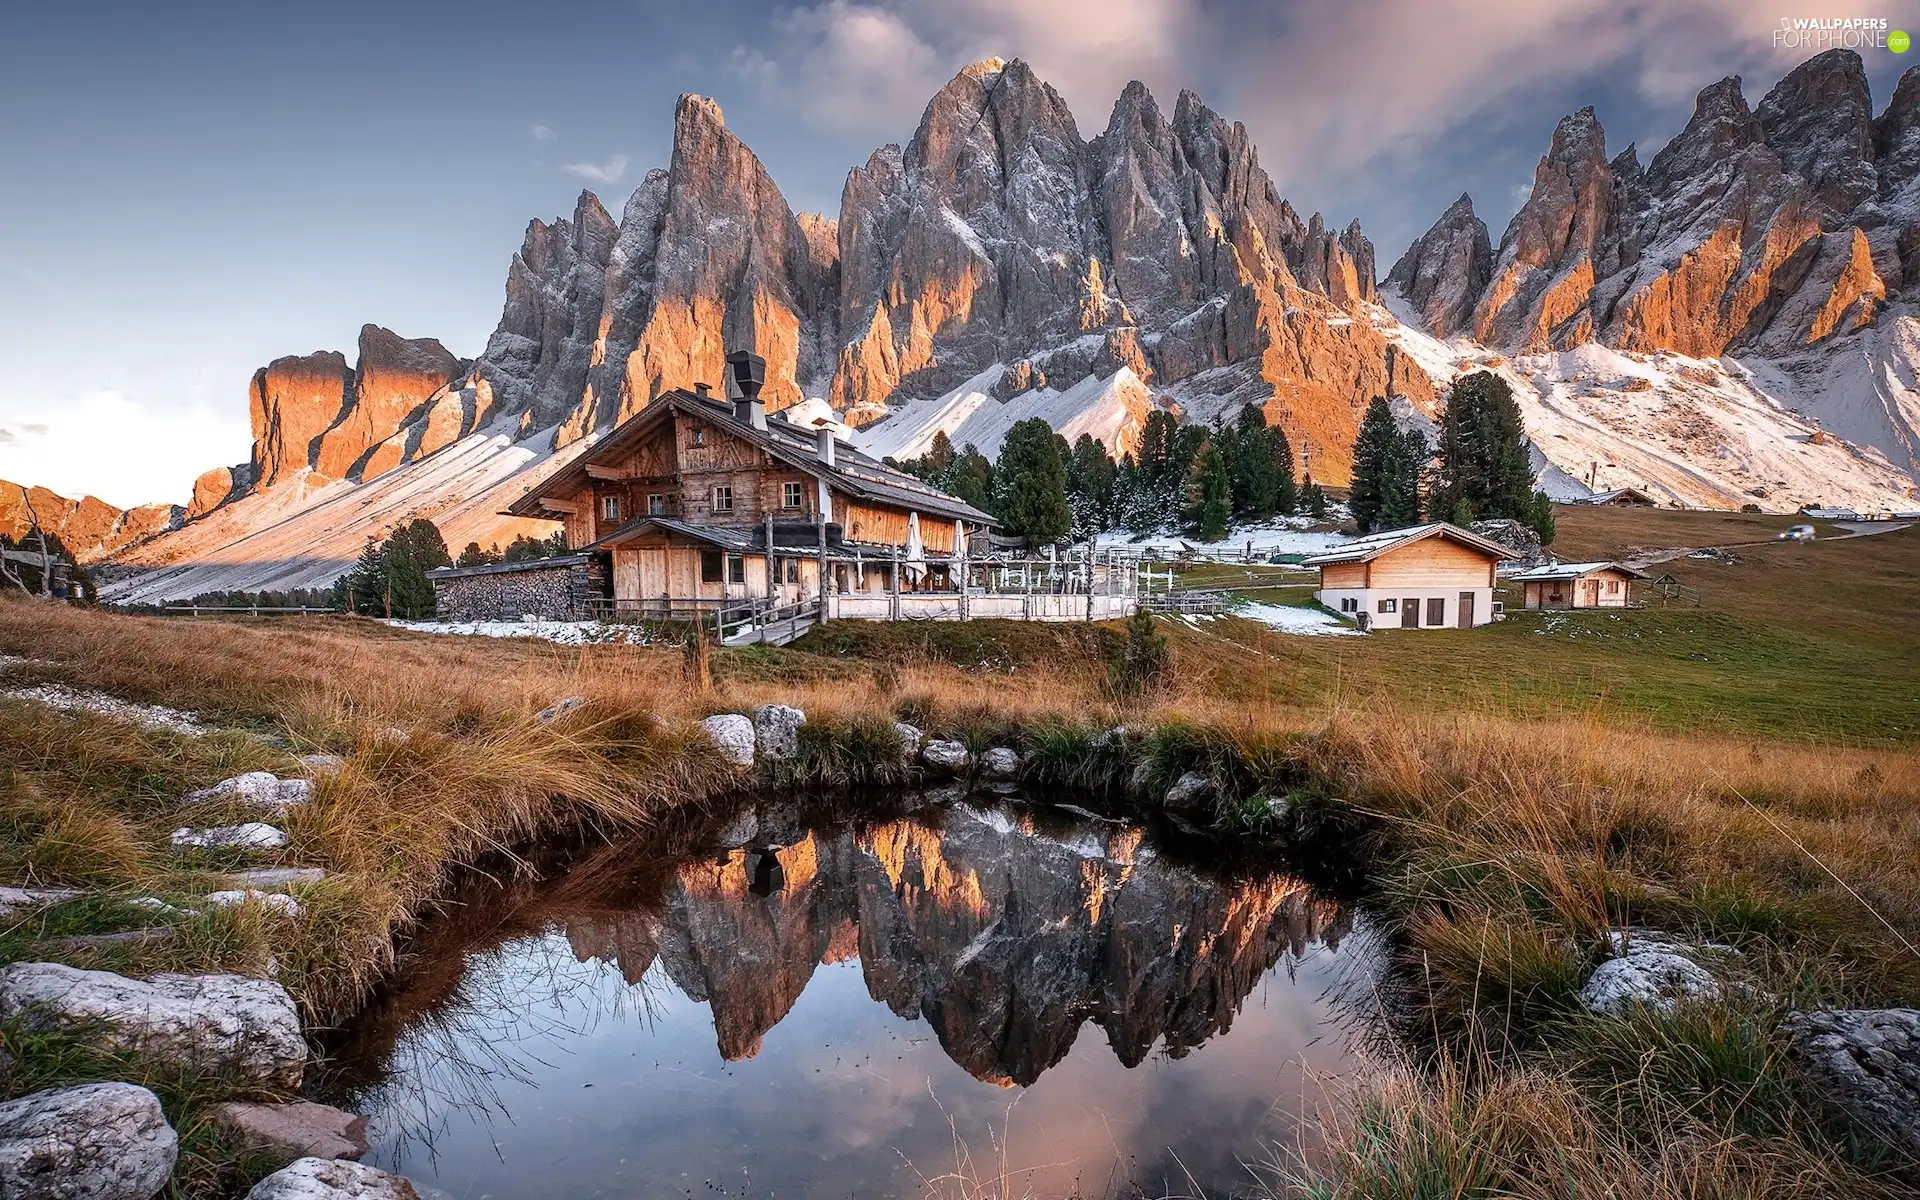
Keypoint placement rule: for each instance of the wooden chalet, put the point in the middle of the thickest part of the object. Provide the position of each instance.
(1578, 585)
(1424, 577)
(1626, 497)
(698, 502)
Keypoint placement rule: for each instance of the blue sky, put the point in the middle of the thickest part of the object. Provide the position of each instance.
(190, 189)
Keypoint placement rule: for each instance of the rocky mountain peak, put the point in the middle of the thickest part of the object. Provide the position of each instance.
(1819, 120)
(1896, 135)
(1446, 269)
(1720, 127)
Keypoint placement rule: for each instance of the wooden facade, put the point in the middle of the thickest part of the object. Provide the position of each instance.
(698, 503)
(1427, 577)
(1578, 585)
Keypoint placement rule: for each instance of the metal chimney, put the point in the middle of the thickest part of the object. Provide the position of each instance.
(749, 373)
(823, 442)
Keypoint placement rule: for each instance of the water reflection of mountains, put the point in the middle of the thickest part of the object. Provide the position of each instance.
(1006, 940)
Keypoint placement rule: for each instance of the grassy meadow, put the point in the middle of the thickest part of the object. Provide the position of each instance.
(1746, 771)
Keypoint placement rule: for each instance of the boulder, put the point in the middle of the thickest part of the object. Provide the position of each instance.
(98, 1141)
(252, 835)
(560, 708)
(1661, 979)
(1866, 1062)
(945, 756)
(1519, 538)
(300, 1129)
(230, 1022)
(332, 1179)
(278, 901)
(1000, 764)
(12, 898)
(733, 733)
(776, 729)
(741, 830)
(1189, 790)
(261, 790)
(910, 738)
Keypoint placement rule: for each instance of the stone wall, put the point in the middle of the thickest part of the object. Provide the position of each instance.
(552, 589)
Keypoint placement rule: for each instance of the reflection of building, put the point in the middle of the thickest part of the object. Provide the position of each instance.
(1005, 941)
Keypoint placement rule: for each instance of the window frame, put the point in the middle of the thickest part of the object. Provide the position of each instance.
(1390, 605)
(712, 568)
(713, 498)
(792, 495)
(696, 436)
(610, 507)
(736, 568)
(656, 504)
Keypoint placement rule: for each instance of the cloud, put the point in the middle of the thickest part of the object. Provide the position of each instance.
(540, 133)
(16, 434)
(609, 171)
(844, 67)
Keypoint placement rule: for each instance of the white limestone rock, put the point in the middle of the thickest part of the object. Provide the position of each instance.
(261, 790)
(910, 738)
(1000, 764)
(1866, 1062)
(278, 901)
(776, 727)
(945, 756)
(12, 898)
(252, 835)
(98, 1141)
(332, 1179)
(249, 1027)
(741, 830)
(1658, 979)
(1188, 790)
(733, 733)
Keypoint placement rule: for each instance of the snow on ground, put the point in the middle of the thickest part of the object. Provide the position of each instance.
(1111, 409)
(147, 716)
(1309, 622)
(1707, 433)
(566, 633)
(305, 533)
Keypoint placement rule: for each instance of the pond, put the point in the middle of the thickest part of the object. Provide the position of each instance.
(918, 1006)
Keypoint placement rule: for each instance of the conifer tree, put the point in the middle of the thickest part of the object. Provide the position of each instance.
(1209, 495)
(1031, 483)
(1370, 450)
(1286, 495)
(1091, 478)
(1400, 473)
(1484, 466)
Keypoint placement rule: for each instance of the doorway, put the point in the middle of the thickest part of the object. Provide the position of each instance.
(1410, 613)
(1466, 610)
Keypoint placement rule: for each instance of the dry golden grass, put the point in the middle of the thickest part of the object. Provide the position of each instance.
(1508, 845)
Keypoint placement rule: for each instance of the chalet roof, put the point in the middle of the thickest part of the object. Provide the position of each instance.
(1625, 493)
(1574, 571)
(508, 568)
(1372, 546)
(852, 472)
(726, 537)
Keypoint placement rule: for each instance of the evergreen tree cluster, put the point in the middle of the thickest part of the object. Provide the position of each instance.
(522, 549)
(1482, 469)
(1047, 490)
(390, 578)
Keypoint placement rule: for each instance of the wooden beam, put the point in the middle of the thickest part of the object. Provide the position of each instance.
(564, 506)
(605, 473)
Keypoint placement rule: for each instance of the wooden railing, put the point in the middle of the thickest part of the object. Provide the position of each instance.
(253, 610)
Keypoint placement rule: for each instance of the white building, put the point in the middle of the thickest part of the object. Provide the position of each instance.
(1426, 577)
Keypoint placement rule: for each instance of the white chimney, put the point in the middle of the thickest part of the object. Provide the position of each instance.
(823, 443)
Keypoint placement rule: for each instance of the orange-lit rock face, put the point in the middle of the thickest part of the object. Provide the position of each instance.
(392, 381)
(89, 528)
(1753, 230)
(292, 402)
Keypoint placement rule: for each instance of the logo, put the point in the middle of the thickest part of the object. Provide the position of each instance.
(1839, 33)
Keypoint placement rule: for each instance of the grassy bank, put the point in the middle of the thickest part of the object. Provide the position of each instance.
(1521, 791)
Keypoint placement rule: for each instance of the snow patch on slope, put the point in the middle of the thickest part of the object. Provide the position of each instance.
(1112, 409)
(305, 534)
(1706, 433)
